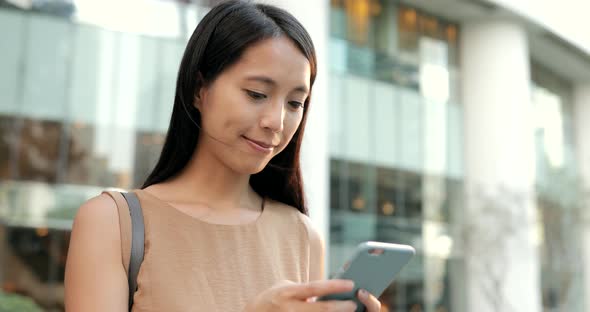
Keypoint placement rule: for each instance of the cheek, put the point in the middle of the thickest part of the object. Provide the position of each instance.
(226, 120)
(238, 121)
(291, 125)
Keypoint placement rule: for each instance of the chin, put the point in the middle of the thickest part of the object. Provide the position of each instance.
(250, 167)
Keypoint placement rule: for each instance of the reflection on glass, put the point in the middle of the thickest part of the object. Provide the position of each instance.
(7, 142)
(382, 40)
(559, 193)
(38, 150)
(85, 108)
(147, 151)
(36, 258)
(408, 29)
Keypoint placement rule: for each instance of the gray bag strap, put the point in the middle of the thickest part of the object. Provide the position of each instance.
(137, 242)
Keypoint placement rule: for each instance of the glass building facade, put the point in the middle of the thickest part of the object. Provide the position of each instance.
(85, 102)
(84, 106)
(395, 142)
(559, 192)
(396, 155)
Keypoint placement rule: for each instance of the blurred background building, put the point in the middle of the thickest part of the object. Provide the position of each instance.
(455, 126)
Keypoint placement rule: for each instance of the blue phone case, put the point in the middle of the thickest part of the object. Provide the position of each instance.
(373, 267)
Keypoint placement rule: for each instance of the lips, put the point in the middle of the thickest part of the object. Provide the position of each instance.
(263, 144)
(260, 145)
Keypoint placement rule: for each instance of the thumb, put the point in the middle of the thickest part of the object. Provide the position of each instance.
(320, 288)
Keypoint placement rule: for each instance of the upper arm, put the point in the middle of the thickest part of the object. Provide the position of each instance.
(95, 279)
(317, 251)
(318, 258)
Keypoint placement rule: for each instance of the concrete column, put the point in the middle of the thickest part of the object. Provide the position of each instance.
(582, 130)
(502, 266)
(313, 14)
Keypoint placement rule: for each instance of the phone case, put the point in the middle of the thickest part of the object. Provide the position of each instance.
(373, 267)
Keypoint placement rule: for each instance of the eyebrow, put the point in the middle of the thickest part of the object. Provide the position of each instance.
(269, 81)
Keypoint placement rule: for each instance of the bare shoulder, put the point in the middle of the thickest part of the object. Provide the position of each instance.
(95, 279)
(314, 238)
(292, 213)
(102, 207)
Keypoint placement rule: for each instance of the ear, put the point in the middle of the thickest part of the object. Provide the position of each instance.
(200, 92)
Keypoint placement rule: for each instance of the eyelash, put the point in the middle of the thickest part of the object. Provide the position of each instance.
(255, 95)
(259, 96)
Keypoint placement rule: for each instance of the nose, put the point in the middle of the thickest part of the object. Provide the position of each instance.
(273, 117)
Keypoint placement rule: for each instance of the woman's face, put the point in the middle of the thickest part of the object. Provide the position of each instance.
(250, 112)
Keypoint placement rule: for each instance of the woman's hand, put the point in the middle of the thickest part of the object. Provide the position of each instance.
(289, 296)
(370, 301)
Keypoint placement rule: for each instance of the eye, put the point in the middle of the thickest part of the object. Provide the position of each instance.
(296, 105)
(255, 95)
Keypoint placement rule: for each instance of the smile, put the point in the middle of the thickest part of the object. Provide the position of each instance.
(260, 147)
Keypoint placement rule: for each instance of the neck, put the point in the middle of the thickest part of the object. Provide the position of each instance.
(213, 183)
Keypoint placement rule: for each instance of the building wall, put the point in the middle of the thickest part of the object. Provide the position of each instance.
(567, 18)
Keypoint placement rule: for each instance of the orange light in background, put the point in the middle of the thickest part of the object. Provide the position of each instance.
(359, 13)
(358, 203)
(42, 232)
(388, 208)
(451, 33)
(336, 3)
(9, 287)
(78, 125)
(409, 19)
(375, 8)
(429, 25)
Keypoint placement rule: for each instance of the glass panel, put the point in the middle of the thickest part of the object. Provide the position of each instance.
(356, 110)
(385, 121)
(47, 67)
(12, 29)
(560, 197)
(38, 150)
(336, 122)
(168, 70)
(82, 109)
(338, 56)
(408, 33)
(338, 20)
(36, 258)
(402, 126)
(455, 140)
(8, 141)
(148, 148)
(412, 128)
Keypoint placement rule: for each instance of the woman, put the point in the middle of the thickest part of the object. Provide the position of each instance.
(225, 220)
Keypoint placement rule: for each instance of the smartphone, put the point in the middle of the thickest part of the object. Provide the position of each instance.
(372, 267)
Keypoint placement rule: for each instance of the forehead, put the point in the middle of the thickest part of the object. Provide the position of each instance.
(279, 58)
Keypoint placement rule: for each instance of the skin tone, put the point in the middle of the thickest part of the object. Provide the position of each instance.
(249, 113)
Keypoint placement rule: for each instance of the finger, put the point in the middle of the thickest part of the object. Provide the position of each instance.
(370, 301)
(318, 289)
(333, 305)
(283, 283)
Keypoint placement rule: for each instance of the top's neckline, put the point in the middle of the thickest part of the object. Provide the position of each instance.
(218, 225)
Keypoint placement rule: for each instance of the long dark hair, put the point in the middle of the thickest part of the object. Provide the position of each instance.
(218, 42)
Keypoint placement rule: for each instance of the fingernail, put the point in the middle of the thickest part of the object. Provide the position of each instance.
(349, 283)
(363, 293)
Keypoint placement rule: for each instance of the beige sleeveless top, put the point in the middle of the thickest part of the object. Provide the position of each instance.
(192, 265)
